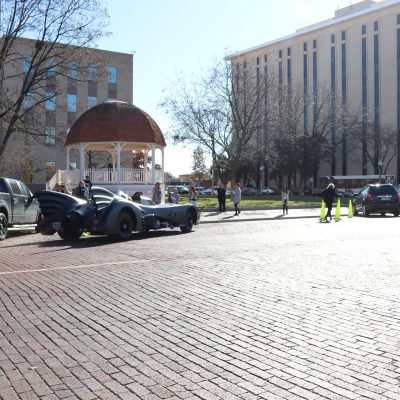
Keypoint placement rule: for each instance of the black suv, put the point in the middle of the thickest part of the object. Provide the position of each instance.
(377, 198)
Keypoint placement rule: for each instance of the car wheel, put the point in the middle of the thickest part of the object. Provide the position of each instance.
(3, 226)
(365, 211)
(71, 228)
(383, 214)
(355, 211)
(396, 213)
(125, 226)
(189, 221)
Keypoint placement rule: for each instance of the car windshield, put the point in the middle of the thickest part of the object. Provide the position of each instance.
(383, 189)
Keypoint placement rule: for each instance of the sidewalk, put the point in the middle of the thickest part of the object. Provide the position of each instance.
(213, 216)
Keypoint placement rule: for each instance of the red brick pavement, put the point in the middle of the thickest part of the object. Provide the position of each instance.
(254, 310)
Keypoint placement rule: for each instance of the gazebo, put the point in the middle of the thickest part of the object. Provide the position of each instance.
(117, 128)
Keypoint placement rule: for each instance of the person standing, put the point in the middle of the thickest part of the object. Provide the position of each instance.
(328, 195)
(192, 195)
(285, 200)
(88, 184)
(157, 194)
(175, 196)
(221, 193)
(237, 197)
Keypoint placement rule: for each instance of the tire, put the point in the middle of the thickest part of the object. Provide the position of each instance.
(383, 214)
(396, 213)
(189, 222)
(71, 228)
(125, 226)
(3, 226)
(355, 211)
(365, 211)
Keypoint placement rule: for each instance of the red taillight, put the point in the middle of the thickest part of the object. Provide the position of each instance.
(369, 197)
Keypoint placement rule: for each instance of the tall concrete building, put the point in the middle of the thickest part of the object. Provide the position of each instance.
(356, 55)
(76, 93)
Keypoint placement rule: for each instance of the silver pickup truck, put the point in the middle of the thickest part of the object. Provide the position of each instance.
(17, 205)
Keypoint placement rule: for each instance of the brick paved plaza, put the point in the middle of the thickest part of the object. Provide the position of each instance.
(285, 309)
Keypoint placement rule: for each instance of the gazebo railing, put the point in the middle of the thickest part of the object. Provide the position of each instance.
(109, 176)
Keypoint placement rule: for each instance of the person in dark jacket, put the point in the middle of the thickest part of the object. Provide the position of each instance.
(221, 192)
(329, 195)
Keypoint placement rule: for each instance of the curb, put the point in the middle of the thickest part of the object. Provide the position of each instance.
(247, 219)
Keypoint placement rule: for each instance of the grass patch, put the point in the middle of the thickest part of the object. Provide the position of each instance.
(257, 201)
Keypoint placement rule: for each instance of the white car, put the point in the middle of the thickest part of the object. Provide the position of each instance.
(267, 190)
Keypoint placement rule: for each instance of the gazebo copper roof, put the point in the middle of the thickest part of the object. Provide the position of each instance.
(115, 121)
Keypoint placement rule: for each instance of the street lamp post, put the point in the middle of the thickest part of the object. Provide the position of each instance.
(380, 165)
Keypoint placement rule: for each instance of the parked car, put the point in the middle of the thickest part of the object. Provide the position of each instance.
(250, 192)
(266, 190)
(17, 205)
(108, 214)
(317, 191)
(181, 189)
(377, 198)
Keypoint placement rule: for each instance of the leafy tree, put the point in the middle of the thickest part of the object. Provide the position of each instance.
(59, 31)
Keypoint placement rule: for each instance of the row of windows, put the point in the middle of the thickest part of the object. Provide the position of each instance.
(333, 40)
(71, 102)
(72, 70)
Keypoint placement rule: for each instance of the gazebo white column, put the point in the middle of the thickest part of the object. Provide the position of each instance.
(118, 165)
(145, 161)
(153, 163)
(81, 161)
(162, 164)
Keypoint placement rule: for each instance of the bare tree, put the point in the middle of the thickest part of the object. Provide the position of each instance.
(221, 112)
(379, 143)
(58, 32)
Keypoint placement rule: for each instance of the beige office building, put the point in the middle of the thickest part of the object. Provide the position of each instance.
(356, 55)
(75, 94)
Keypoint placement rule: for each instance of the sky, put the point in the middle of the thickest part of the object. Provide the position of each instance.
(172, 37)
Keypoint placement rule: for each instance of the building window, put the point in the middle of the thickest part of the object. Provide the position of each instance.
(72, 165)
(364, 102)
(280, 53)
(289, 75)
(364, 29)
(50, 102)
(265, 58)
(376, 25)
(304, 46)
(92, 73)
(314, 44)
(50, 169)
(305, 94)
(72, 103)
(72, 71)
(288, 51)
(376, 82)
(398, 19)
(258, 60)
(92, 101)
(112, 74)
(27, 63)
(332, 38)
(51, 68)
(343, 35)
(28, 101)
(50, 136)
(244, 64)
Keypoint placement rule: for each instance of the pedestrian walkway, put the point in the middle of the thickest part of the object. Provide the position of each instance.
(212, 216)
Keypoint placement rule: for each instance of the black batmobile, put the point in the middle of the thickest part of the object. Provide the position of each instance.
(105, 213)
